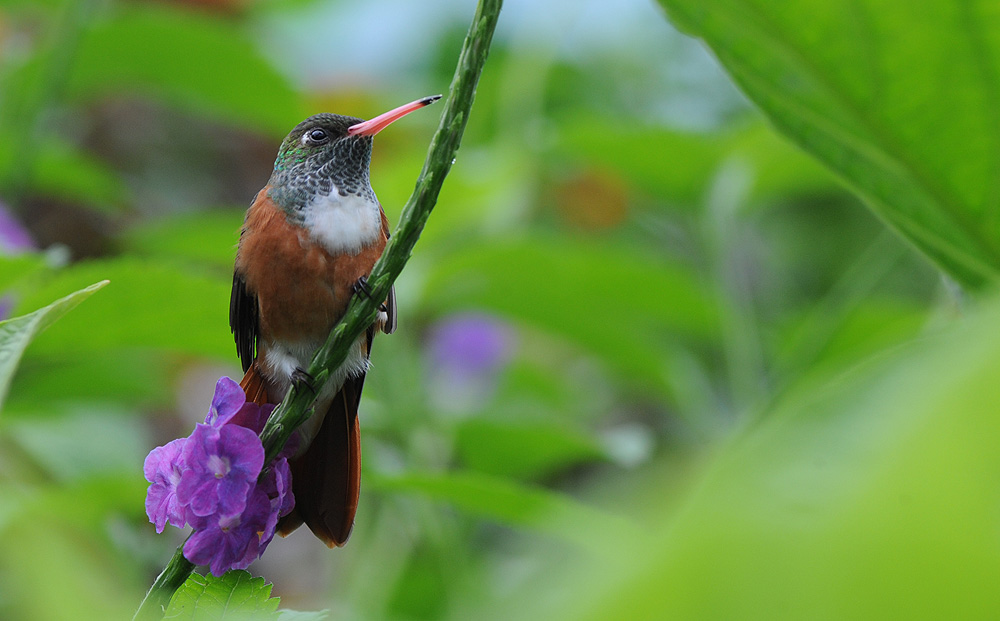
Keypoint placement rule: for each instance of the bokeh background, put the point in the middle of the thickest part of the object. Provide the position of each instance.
(653, 361)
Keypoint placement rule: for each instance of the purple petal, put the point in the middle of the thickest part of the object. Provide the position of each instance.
(231, 542)
(473, 344)
(163, 469)
(6, 306)
(251, 416)
(201, 443)
(219, 545)
(226, 402)
(158, 500)
(232, 495)
(243, 449)
(223, 464)
(162, 457)
(13, 236)
(283, 485)
(199, 493)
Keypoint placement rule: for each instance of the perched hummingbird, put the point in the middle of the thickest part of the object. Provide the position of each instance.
(309, 240)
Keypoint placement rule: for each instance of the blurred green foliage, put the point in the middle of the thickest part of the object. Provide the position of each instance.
(730, 390)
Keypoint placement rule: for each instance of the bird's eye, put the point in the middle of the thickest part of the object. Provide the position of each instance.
(316, 136)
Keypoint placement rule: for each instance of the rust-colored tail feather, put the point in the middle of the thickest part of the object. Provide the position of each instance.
(254, 387)
(326, 479)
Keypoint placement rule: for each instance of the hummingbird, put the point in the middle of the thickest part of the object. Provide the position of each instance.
(309, 240)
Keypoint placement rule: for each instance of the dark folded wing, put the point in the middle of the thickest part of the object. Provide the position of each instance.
(244, 320)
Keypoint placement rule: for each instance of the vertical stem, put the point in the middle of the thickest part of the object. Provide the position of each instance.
(169, 580)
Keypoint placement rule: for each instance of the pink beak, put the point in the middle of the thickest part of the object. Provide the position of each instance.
(374, 126)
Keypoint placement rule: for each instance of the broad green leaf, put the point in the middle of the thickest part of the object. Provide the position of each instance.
(522, 449)
(505, 501)
(817, 340)
(75, 446)
(872, 494)
(185, 58)
(54, 538)
(207, 237)
(614, 301)
(17, 333)
(84, 504)
(56, 569)
(71, 175)
(16, 268)
(898, 98)
(49, 384)
(679, 166)
(61, 171)
(151, 304)
(236, 595)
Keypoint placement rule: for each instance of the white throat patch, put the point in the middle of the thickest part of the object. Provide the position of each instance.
(343, 223)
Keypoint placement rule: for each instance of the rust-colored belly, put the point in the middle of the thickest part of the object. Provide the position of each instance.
(302, 290)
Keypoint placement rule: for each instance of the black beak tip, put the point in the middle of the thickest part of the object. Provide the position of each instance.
(429, 100)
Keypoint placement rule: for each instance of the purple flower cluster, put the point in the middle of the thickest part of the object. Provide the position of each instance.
(211, 481)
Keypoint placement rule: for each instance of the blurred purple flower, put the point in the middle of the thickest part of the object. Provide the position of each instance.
(466, 353)
(471, 344)
(6, 306)
(13, 236)
(211, 481)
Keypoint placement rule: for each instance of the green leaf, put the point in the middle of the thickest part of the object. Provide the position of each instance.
(17, 333)
(522, 449)
(75, 446)
(900, 99)
(869, 494)
(505, 501)
(51, 383)
(236, 595)
(637, 154)
(49, 560)
(186, 58)
(62, 172)
(613, 301)
(207, 237)
(18, 268)
(151, 304)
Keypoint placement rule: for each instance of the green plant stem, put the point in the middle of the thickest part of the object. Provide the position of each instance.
(361, 312)
(169, 580)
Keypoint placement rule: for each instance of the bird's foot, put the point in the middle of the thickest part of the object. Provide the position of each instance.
(362, 289)
(302, 378)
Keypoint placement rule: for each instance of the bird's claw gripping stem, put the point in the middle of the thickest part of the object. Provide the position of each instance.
(301, 377)
(362, 289)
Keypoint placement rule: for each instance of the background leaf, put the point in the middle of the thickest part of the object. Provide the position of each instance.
(608, 300)
(185, 58)
(870, 485)
(836, 82)
(152, 304)
(17, 333)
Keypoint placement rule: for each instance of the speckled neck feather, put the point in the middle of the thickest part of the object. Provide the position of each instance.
(303, 172)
